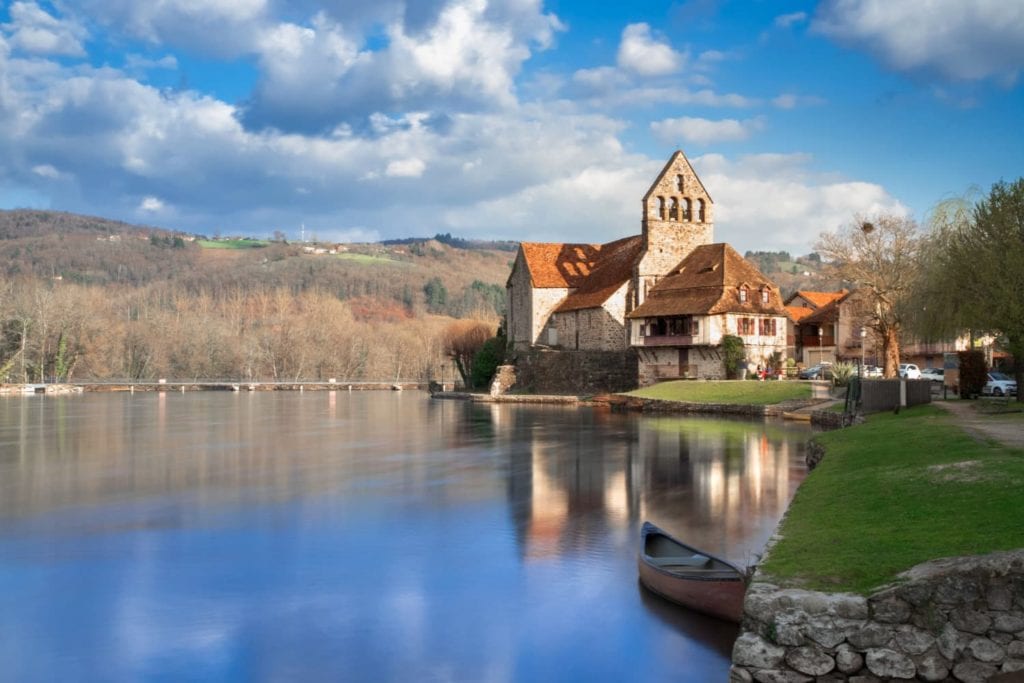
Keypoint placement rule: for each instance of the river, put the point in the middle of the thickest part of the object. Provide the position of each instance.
(365, 536)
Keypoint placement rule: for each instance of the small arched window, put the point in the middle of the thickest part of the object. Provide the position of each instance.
(661, 208)
(673, 211)
(743, 294)
(687, 209)
(679, 183)
(700, 210)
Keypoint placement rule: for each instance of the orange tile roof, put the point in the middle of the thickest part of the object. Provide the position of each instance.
(819, 299)
(798, 313)
(612, 269)
(706, 282)
(554, 264)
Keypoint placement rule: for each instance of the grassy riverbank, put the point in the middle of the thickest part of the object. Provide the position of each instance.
(894, 492)
(730, 392)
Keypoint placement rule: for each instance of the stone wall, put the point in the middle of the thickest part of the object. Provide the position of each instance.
(541, 371)
(594, 329)
(961, 618)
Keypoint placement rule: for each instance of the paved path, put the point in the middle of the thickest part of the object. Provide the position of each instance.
(1006, 429)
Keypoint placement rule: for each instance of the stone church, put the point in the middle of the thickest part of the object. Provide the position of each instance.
(577, 296)
(669, 293)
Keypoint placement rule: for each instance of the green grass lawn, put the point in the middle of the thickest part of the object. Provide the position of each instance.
(232, 244)
(893, 492)
(745, 392)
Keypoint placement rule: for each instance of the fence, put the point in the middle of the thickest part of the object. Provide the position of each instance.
(878, 395)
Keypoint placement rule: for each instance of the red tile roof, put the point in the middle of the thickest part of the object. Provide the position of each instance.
(798, 313)
(612, 269)
(819, 299)
(553, 264)
(706, 283)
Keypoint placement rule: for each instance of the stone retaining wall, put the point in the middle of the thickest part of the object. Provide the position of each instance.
(574, 372)
(956, 619)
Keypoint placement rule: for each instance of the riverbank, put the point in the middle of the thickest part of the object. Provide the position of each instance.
(855, 583)
(213, 385)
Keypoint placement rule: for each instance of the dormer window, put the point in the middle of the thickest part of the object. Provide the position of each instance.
(765, 295)
(743, 294)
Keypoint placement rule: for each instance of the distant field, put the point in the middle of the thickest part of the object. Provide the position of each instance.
(787, 267)
(371, 260)
(232, 244)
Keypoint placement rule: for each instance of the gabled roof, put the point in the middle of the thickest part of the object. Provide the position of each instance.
(706, 282)
(558, 265)
(798, 313)
(817, 299)
(614, 266)
(677, 159)
(829, 313)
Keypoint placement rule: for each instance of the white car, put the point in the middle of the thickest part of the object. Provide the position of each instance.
(999, 384)
(934, 374)
(909, 371)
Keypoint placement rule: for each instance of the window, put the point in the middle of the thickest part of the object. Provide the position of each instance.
(743, 294)
(745, 326)
(767, 327)
(687, 209)
(679, 183)
(661, 208)
(700, 210)
(695, 328)
(765, 295)
(673, 211)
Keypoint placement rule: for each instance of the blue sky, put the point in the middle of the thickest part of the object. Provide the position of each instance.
(507, 119)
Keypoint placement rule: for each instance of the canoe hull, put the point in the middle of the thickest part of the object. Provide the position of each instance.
(717, 592)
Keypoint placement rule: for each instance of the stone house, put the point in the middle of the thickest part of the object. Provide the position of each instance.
(577, 296)
(812, 332)
(711, 293)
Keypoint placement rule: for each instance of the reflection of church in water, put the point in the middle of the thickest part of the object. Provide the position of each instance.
(721, 485)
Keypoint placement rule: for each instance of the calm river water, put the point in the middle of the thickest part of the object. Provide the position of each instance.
(335, 536)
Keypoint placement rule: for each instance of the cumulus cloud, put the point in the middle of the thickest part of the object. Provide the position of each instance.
(405, 168)
(775, 201)
(954, 39)
(318, 74)
(705, 131)
(151, 204)
(34, 31)
(641, 53)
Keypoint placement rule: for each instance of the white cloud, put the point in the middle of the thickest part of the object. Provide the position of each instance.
(34, 31)
(787, 20)
(46, 171)
(705, 131)
(405, 168)
(955, 39)
(641, 53)
(151, 204)
(792, 101)
(775, 201)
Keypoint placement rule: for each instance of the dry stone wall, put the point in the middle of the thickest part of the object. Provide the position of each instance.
(958, 619)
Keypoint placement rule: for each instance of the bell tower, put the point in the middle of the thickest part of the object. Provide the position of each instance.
(678, 215)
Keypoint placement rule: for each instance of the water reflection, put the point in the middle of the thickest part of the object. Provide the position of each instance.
(357, 536)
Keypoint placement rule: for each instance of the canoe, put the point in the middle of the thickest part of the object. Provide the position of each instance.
(689, 577)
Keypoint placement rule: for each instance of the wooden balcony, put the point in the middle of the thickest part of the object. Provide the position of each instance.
(809, 341)
(667, 340)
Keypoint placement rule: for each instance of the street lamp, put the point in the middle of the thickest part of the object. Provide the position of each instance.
(821, 344)
(863, 337)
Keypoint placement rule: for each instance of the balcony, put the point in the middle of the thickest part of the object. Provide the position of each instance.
(811, 340)
(667, 340)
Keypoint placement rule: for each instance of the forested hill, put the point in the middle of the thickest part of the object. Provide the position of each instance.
(442, 275)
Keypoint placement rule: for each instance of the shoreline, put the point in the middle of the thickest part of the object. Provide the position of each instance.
(187, 386)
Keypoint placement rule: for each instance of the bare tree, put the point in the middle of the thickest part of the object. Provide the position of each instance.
(461, 340)
(878, 257)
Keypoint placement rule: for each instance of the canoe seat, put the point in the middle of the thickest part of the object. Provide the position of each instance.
(685, 561)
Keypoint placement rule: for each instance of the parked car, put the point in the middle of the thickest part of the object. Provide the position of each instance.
(873, 371)
(819, 371)
(934, 374)
(999, 384)
(909, 371)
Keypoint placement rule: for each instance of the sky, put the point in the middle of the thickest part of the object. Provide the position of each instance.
(504, 119)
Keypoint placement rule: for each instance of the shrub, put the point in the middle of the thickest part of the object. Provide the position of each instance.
(841, 373)
(973, 373)
(733, 355)
(487, 360)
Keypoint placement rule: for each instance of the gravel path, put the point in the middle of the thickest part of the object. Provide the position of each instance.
(1006, 429)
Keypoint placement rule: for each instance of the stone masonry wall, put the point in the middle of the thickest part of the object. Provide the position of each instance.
(574, 372)
(956, 619)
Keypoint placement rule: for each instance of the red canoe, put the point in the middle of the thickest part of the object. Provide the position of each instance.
(689, 577)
